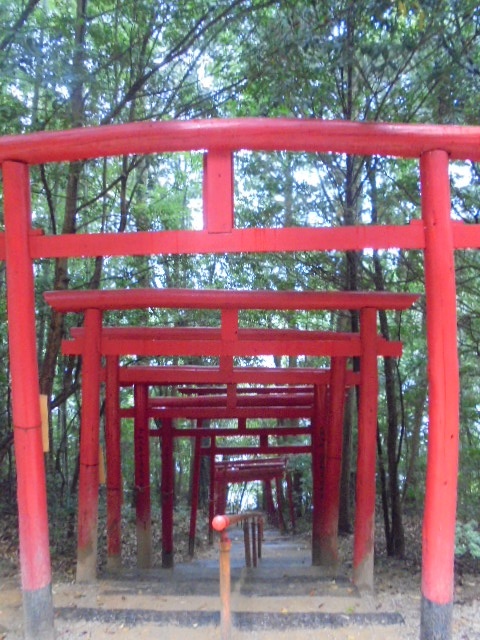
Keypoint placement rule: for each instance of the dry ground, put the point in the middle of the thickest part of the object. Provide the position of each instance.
(397, 590)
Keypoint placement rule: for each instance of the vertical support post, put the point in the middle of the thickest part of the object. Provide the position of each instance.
(229, 334)
(318, 462)
(225, 609)
(443, 405)
(31, 484)
(142, 477)
(333, 464)
(114, 464)
(363, 547)
(168, 480)
(89, 449)
(194, 489)
(218, 191)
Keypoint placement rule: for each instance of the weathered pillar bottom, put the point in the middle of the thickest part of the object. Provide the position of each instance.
(436, 620)
(86, 565)
(363, 574)
(329, 552)
(316, 552)
(167, 559)
(144, 546)
(38, 614)
(114, 563)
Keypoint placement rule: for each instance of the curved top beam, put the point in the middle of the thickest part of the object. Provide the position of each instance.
(257, 134)
(78, 301)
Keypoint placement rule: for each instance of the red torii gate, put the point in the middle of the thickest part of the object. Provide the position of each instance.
(149, 341)
(438, 236)
(232, 343)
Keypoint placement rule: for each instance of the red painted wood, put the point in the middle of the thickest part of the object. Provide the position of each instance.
(411, 236)
(213, 333)
(89, 451)
(334, 136)
(114, 464)
(272, 449)
(218, 191)
(318, 470)
(78, 301)
(238, 241)
(258, 391)
(142, 478)
(31, 486)
(172, 375)
(224, 413)
(243, 400)
(227, 350)
(443, 384)
(206, 432)
(366, 456)
(199, 341)
(168, 484)
(333, 464)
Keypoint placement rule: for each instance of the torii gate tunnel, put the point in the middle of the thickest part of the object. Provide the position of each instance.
(226, 342)
(436, 235)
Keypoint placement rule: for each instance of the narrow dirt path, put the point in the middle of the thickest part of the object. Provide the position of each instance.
(285, 597)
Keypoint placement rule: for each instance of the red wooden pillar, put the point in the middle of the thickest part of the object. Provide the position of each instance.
(142, 478)
(168, 479)
(318, 462)
(89, 450)
(333, 464)
(194, 491)
(114, 464)
(443, 387)
(366, 457)
(31, 485)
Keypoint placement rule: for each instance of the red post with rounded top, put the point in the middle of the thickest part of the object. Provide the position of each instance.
(89, 450)
(443, 386)
(364, 535)
(31, 485)
(142, 478)
(333, 464)
(114, 464)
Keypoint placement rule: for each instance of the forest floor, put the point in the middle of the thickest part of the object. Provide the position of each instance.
(272, 603)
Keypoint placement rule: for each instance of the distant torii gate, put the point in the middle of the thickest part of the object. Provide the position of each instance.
(227, 342)
(437, 235)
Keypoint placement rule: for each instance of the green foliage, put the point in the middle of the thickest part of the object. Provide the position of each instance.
(468, 539)
(410, 60)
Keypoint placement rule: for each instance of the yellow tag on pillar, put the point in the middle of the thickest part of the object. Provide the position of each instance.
(101, 467)
(44, 419)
